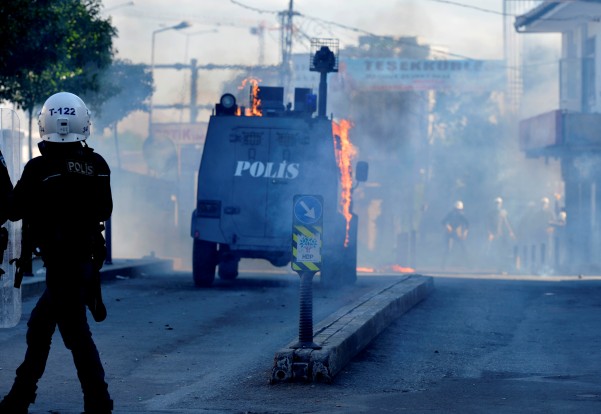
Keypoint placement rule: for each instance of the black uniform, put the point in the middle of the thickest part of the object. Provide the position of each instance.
(64, 195)
(456, 227)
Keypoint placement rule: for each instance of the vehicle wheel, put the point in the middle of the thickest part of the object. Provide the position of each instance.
(332, 263)
(330, 274)
(204, 262)
(349, 275)
(339, 265)
(228, 263)
(228, 269)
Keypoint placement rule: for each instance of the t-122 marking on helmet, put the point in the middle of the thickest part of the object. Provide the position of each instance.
(62, 111)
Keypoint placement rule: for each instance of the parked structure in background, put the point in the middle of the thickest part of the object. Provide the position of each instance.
(570, 133)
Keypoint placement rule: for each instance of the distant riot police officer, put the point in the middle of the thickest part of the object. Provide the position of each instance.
(500, 235)
(64, 195)
(456, 227)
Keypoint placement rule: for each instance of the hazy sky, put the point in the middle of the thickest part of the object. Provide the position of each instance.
(220, 32)
(464, 30)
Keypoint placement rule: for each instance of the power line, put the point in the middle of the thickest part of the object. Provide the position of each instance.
(245, 6)
(592, 18)
(406, 43)
(365, 32)
(342, 26)
(468, 6)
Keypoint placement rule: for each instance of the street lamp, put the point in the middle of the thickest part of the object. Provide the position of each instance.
(178, 26)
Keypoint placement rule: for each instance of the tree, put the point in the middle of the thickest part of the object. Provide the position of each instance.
(125, 87)
(52, 45)
(470, 153)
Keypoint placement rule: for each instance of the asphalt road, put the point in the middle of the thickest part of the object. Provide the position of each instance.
(473, 346)
(487, 346)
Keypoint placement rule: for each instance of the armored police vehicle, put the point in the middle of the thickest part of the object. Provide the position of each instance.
(250, 171)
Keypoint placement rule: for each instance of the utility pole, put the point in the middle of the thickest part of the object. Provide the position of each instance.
(194, 68)
(193, 93)
(259, 31)
(287, 29)
(184, 24)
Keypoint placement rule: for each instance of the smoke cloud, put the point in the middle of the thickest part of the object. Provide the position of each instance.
(426, 150)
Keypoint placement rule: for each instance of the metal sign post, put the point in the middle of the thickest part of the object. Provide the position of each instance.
(307, 226)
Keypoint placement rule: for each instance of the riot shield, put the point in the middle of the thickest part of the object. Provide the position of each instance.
(10, 297)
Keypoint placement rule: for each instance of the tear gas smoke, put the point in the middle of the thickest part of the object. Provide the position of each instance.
(422, 158)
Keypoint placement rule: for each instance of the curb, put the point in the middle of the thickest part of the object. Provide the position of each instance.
(135, 267)
(346, 332)
(127, 268)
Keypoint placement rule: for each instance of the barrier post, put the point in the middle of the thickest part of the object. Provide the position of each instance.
(307, 227)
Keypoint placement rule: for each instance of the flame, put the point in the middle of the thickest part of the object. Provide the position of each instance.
(366, 269)
(345, 153)
(254, 97)
(392, 268)
(401, 269)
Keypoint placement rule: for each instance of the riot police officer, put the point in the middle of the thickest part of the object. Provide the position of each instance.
(64, 194)
(456, 228)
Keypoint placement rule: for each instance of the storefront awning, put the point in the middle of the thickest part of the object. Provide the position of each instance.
(558, 133)
(558, 16)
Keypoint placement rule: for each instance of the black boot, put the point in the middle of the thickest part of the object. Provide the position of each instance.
(98, 407)
(14, 404)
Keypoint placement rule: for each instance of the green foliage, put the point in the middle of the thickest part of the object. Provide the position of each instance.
(465, 118)
(126, 87)
(128, 141)
(52, 45)
(468, 144)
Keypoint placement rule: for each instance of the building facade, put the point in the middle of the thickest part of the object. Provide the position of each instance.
(572, 132)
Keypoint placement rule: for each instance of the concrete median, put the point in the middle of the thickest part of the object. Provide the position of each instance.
(346, 332)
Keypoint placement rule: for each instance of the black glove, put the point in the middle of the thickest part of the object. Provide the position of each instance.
(95, 302)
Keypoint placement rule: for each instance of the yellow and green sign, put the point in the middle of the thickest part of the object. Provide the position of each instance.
(307, 229)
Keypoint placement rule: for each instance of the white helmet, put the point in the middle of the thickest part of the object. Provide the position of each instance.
(64, 118)
(459, 205)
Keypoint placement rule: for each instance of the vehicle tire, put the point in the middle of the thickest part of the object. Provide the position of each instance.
(332, 265)
(349, 276)
(228, 263)
(204, 262)
(228, 268)
(330, 274)
(339, 265)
